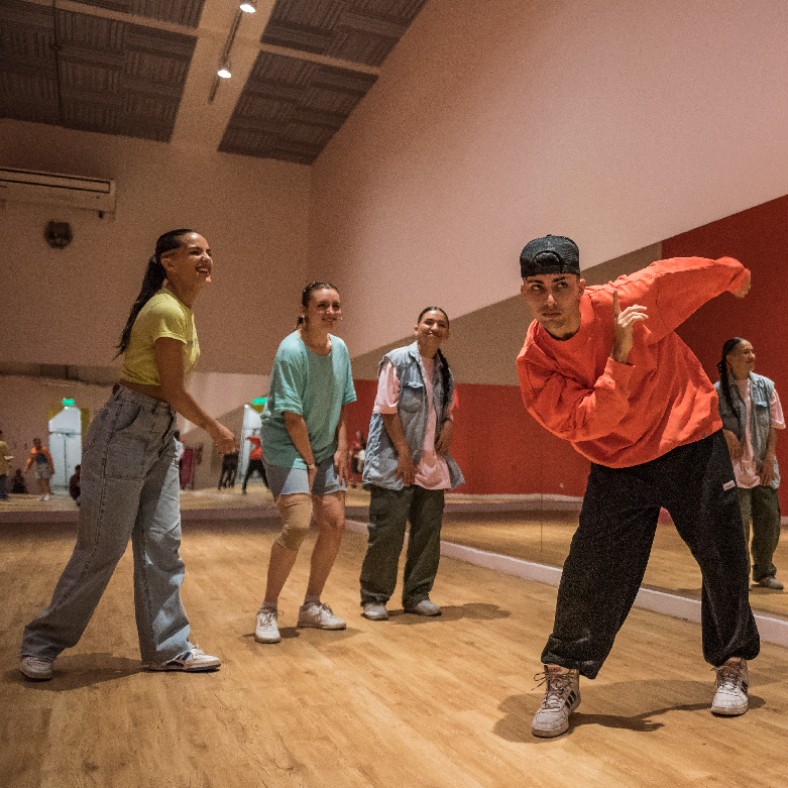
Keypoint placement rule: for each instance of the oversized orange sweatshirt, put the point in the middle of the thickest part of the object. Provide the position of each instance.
(620, 415)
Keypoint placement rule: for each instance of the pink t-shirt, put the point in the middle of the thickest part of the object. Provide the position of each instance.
(745, 468)
(432, 472)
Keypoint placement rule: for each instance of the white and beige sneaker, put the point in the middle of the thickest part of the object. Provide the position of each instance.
(267, 626)
(561, 698)
(733, 685)
(319, 615)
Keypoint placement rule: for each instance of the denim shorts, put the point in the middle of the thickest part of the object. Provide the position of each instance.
(290, 481)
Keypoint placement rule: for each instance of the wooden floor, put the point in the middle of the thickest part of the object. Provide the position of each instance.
(408, 702)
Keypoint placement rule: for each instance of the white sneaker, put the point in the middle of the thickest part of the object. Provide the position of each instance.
(320, 615)
(195, 660)
(44, 497)
(375, 611)
(266, 628)
(424, 607)
(36, 668)
(561, 698)
(733, 684)
(770, 582)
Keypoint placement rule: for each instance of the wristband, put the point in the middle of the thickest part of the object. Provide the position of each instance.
(310, 466)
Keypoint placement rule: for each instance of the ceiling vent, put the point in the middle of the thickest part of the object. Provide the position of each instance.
(47, 188)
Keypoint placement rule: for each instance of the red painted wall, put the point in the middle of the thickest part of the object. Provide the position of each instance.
(759, 238)
(499, 447)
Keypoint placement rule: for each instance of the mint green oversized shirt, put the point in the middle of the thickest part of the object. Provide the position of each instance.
(313, 386)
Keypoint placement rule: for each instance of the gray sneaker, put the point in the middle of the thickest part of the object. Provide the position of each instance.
(770, 582)
(267, 627)
(36, 668)
(319, 615)
(424, 607)
(733, 685)
(375, 611)
(195, 660)
(561, 698)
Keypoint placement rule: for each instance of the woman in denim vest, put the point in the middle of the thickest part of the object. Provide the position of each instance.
(408, 468)
(129, 480)
(751, 415)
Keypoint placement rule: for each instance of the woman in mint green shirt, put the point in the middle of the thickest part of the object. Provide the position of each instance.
(305, 454)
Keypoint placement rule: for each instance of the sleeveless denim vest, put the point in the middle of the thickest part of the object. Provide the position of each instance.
(761, 389)
(380, 462)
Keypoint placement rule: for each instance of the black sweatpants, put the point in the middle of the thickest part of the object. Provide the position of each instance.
(611, 547)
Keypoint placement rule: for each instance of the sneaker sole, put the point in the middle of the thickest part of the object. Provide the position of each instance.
(302, 625)
(375, 617)
(267, 640)
(32, 677)
(733, 711)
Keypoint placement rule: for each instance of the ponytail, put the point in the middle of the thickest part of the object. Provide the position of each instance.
(151, 282)
(722, 368)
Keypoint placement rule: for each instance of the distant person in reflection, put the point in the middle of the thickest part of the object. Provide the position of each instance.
(255, 462)
(5, 467)
(603, 368)
(408, 468)
(229, 470)
(41, 461)
(74, 489)
(751, 415)
(18, 485)
(305, 439)
(129, 476)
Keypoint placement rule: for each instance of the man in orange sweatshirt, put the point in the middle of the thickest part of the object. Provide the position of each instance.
(603, 368)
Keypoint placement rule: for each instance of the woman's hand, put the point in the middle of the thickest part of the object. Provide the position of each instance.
(342, 464)
(406, 470)
(624, 322)
(223, 438)
(443, 444)
(767, 470)
(734, 447)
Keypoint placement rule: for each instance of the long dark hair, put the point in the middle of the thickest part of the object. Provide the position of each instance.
(306, 294)
(444, 365)
(722, 368)
(152, 281)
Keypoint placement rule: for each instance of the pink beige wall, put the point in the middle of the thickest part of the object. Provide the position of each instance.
(68, 306)
(619, 123)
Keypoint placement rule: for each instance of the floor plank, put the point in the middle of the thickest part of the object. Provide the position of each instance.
(408, 702)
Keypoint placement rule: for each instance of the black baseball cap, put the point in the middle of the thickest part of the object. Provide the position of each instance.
(552, 254)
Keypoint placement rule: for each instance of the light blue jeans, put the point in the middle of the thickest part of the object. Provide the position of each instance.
(129, 489)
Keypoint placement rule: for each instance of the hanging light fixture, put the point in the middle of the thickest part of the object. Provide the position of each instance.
(224, 71)
(248, 6)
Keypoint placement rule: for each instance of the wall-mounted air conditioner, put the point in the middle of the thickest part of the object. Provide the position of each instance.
(48, 188)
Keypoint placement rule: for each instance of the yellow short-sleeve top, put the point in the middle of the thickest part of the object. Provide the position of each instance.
(162, 316)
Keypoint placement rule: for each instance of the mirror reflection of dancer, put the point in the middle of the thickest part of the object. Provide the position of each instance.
(255, 462)
(751, 415)
(407, 468)
(631, 397)
(129, 481)
(40, 460)
(305, 456)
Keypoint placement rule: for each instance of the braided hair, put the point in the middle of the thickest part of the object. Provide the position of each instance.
(306, 294)
(722, 368)
(152, 281)
(444, 364)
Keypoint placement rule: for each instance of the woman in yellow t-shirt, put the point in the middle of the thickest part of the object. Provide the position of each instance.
(130, 486)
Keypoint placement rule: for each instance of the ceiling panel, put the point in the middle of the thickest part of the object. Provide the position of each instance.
(296, 105)
(359, 31)
(90, 72)
(122, 66)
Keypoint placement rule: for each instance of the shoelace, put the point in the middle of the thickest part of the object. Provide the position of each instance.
(729, 677)
(559, 685)
(269, 616)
